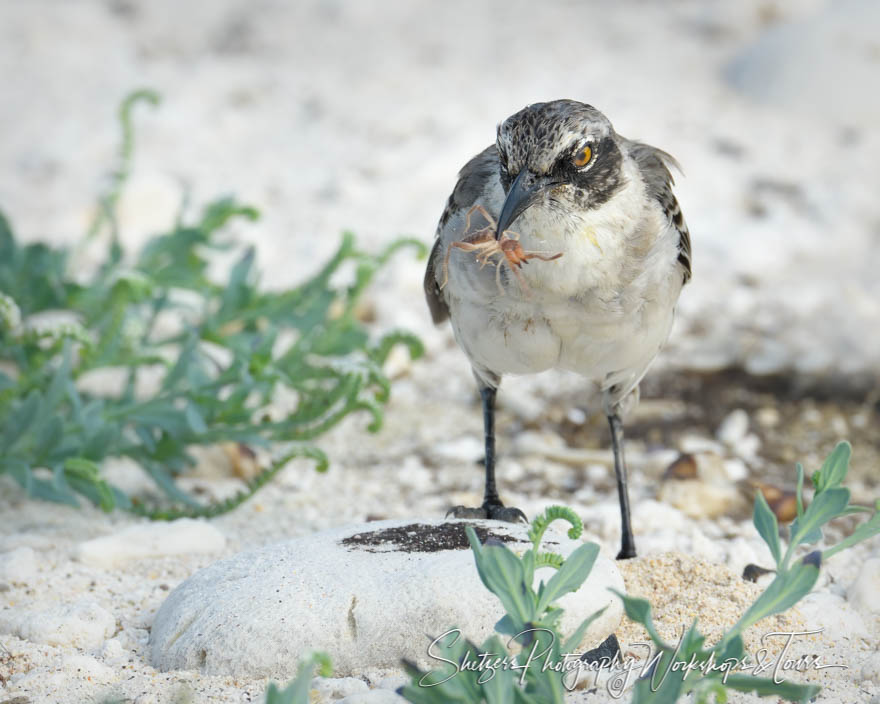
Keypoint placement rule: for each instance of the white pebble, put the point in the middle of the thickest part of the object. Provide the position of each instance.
(146, 540)
(576, 416)
(18, 566)
(734, 427)
(736, 469)
(398, 363)
(747, 447)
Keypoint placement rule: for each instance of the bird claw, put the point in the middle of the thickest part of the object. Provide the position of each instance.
(495, 512)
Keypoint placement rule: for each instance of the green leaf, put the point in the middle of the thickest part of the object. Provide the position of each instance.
(734, 648)
(639, 610)
(570, 576)
(6, 382)
(768, 528)
(863, 531)
(194, 419)
(782, 593)
(48, 436)
(502, 573)
(834, 469)
(765, 687)
(825, 506)
(497, 687)
(659, 690)
(297, 692)
(20, 419)
(51, 491)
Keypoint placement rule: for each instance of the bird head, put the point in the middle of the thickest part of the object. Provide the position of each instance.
(561, 154)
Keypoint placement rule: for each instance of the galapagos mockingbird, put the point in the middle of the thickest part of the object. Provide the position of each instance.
(597, 212)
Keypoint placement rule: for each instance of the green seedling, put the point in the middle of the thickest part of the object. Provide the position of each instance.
(794, 579)
(514, 671)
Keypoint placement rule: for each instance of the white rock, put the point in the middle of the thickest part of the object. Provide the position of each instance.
(864, 593)
(84, 624)
(747, 447)
(576, 415)
(368, 603)
(146, 540)
(736, 469)
(374, 696)
(734, 427)
(18, 566)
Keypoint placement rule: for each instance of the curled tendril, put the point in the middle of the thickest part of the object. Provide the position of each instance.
(552, 513)
(548, 559)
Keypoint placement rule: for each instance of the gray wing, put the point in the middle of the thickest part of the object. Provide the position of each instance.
(655, 165)
(477, 178)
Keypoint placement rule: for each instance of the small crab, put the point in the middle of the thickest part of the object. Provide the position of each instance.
(485, 245)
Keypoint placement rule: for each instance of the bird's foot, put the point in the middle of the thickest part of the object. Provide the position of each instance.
(493, 511)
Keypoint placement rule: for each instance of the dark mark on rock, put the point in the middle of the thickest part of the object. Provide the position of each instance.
(421, 537)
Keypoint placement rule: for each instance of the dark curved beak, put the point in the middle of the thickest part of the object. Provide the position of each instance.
(524, 192)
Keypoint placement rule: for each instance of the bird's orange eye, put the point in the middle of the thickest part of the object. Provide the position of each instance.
(582, 156)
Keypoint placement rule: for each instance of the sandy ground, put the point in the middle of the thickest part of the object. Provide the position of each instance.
(345, 115)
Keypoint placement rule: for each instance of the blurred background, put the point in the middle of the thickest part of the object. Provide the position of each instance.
(331, 115)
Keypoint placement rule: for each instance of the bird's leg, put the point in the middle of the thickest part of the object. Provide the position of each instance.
(492, 506)
(487, 395)
(627, 542)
